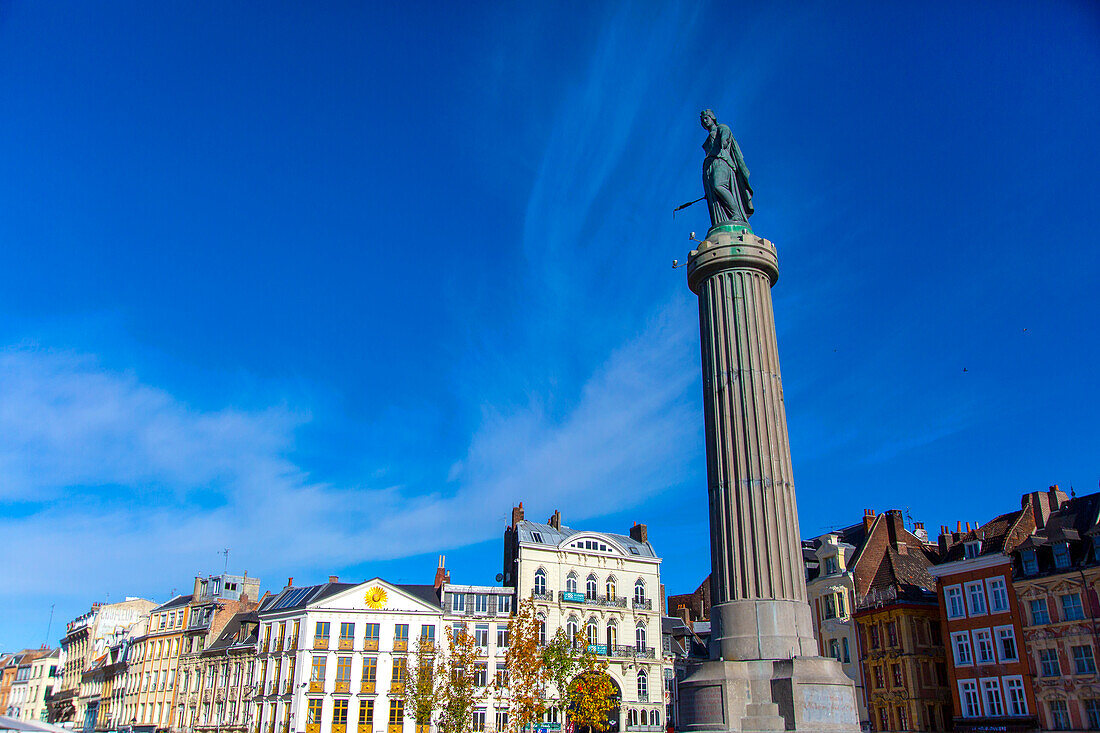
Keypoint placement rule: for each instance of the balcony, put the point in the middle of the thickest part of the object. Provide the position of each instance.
(646, 604)
(279, 645)
(343, 686)
(286, 727)
(365, 728)
(586, 600)
(397, 688)
(366, 687)
(547, 596)
(320, 642)
(287, 687)
(292, 644)
(313, 728)
(346, 644)
(401, 645)
(317, 686)
(370, 645)
(394, 727)
(643, 696)
(339, 728)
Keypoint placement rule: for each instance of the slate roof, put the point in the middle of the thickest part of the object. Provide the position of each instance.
(426, 593)
(228, 638)
(553, 537)
(174, 603)
(293, 598)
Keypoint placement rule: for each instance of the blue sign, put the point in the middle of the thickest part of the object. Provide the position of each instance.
(578, 597)
(598, 649)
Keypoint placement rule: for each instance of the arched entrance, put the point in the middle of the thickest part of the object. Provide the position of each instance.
(612, 715)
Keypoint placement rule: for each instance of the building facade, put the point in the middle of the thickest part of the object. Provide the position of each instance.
(990, 679)
(336, 655)
(1056, 578)
(151, 684)
(45, 676)
(604, 589)
(217, 693)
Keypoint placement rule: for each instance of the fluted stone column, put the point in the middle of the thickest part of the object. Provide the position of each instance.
(758, 590)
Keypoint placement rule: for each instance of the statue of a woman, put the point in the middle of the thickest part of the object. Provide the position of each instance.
(725, 175)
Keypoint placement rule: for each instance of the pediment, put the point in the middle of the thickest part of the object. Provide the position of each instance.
(376, 595)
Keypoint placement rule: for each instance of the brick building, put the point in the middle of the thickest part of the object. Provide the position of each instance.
(988, 671)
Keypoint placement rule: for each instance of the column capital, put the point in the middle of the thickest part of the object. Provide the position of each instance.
(729, 250)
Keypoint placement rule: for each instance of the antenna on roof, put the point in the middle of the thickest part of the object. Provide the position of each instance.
(226, 553)
(49, 625)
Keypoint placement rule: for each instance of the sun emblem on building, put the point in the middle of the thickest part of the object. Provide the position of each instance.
(376, 597)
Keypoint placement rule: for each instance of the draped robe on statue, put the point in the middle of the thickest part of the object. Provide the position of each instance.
(726, 179)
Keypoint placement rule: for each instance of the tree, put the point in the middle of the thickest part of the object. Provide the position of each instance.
(460, 689)
(425, 683)
(562, 662)
(525, 685)
(591, 694)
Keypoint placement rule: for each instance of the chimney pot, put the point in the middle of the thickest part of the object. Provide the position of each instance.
(333, 578)
(290, 581)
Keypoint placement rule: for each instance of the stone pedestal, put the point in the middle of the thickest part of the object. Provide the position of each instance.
(765, 674)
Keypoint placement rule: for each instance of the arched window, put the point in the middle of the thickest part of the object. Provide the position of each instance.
(654, 717)
(592, 631)
(571, 583)
(540, 581)
(639, 591)
(542, 630)
(571, 629)
(610, 587)
(643, 686)
(639, 636)
(632, 717)
(612, 636)
(590, 586)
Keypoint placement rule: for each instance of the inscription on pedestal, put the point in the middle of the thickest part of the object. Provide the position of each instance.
(826, 704)
(702, 706)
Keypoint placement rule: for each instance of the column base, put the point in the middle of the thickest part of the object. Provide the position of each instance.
(806, 694)
(762, 629)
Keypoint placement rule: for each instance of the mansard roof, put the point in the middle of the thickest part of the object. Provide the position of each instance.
(552, 537)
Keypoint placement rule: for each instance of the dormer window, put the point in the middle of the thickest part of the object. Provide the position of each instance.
(1031, 564)
(831, 565)
(1061, 555)
(973, 549)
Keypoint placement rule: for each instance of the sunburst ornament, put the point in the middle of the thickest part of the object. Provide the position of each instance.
(376, 597)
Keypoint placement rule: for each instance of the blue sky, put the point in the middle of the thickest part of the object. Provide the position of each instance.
(334, 285)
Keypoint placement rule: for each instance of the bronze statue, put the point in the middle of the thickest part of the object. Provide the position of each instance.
(725, 175)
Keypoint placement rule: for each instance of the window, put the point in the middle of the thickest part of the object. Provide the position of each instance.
(397, 712)
(874, 636)
(830, 606)
(973, 549)
(983, 646)
(479, 720)
(1083, 662)
(998, 595)
(975, 596)
(892, 632)
(609, 587)
(831, 567)
(542, 631)
(639, 591)
(313, 713)
(991, 689)
(834, 649)
(502, 636)
(501, 676)
(502, 720)
(572, 628)
(320, 631)
(612, 635)
(481, 603)
(1061, 555)
(540, 581)
(370, 669)
(347, 632)
(399, 672)
(372, 634)
(1030, 562)
(1017, 701)
(1092, 713)
(536, 536)
(884, 719)
(343, 669)
(592, 632)
(643, 685)
(481, 635)
(968, 695)
(903, 718)
(960, 642)
(427, 634)
(317, 674)
(1071, 607)
(504, 605)
(1048, 661)
(340, 711)
(639, 636)
(844, 647)
(458, 600)
(1059, 714)
(897, 675)
(1039, 613)
(571, 583)
(1006, 644)
(457, 630)
(366, 712)
(481, 674)
(401, 633)
(590, 587)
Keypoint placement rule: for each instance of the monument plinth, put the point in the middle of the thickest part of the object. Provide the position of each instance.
(764, 673)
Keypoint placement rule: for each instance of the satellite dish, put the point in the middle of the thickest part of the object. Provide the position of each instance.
(500, 577)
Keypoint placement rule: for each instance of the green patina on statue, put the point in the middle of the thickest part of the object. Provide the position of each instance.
(725, 176)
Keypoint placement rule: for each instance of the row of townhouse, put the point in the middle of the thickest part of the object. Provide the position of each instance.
(27, 679)
(329, 656)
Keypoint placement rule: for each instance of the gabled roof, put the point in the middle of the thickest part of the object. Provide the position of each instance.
(998, 536)
(292, 598)
(552, 537)
(174, 603)
(426, 593)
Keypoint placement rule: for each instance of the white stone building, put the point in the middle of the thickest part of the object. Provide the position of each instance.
(334, 657)
(604, 589)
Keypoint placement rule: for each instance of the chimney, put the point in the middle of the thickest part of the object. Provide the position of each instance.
(333, 578)
(895, 527)
(441, 574)
(945, 540)
(517, 514)
(1043, 503)
(555, 521)
(958, 527)
(868, 519)
(198, 587)
(968, 526)
(290, 581)
(638, 533)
